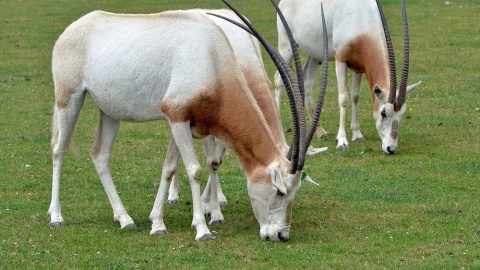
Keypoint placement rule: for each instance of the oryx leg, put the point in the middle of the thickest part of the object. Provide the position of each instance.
(174, 190)
(220, 154)
(100, 155)
(63, 126)
(285, 51)
(183, 139)
(220, 149)
(341, 70)
(310, 70)
(170, 168)
(210, 204)
(355, 124)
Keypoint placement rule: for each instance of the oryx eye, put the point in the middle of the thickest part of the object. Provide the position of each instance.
(384, 115)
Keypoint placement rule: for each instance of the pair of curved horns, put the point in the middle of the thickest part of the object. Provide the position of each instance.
(294, 87)
(400, 100)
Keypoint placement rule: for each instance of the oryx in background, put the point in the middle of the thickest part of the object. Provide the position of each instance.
(359, 39)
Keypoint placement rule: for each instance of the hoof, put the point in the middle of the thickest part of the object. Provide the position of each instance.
(342, 147)
(324, 136)
(172, 202)
(208, 215)
(361, 139)
(207, 237)
(159, 232)
(223, 204)
(56, 224)
(132, 227)
(217, 222)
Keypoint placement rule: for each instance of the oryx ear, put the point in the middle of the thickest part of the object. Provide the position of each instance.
(309, 180)
(277, 179)
(412, 87)
(378, 92)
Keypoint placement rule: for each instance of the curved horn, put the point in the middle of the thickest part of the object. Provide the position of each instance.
(321, 96)
(294, 46)
(391, 57)
(406, 51)
(299, 90)
(286, 74)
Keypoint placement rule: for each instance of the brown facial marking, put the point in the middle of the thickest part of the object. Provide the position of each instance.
(397, 107)
(394, 132)
(288, 216)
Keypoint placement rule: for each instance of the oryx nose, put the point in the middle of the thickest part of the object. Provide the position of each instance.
(391, 150)
(282, 238)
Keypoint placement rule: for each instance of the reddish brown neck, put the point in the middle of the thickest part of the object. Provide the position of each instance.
(229, 111)
(366, 55)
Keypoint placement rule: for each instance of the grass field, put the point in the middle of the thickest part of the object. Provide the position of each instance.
(417, 209)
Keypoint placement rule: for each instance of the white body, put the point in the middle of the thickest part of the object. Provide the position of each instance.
(357, 41)
(180, 67)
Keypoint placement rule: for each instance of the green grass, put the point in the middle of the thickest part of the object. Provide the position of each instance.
(418, 209)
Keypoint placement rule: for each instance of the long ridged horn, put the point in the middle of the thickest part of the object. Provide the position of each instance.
(406, 51)
(299, 91)
(391, 57)
(321, 96)
(294, 46)
(285, 72)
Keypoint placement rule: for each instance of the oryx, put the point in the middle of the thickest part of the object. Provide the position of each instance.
(359, 39)
(180, 67)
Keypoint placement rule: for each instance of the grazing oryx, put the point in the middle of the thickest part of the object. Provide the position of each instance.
(177, 66)
(248, 54)
(359, 39)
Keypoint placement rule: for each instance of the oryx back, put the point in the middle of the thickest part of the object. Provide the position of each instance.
(130, 63)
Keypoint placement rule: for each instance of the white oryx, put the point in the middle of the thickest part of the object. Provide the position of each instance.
(358, 39)
(180, 67)
(248, 53)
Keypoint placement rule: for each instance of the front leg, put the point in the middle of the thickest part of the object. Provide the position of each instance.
(183, 139)
(174, 191)
(210, 204)
(310, 70)
(341, 70)
(220, 153)
(355, 124)
(285, 50)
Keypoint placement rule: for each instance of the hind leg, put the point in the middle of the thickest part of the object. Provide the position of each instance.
(310, 70)
(100, 154)
(64, 121)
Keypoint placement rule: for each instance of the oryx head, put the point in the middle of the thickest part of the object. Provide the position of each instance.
(272, 187)
(389, 113)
